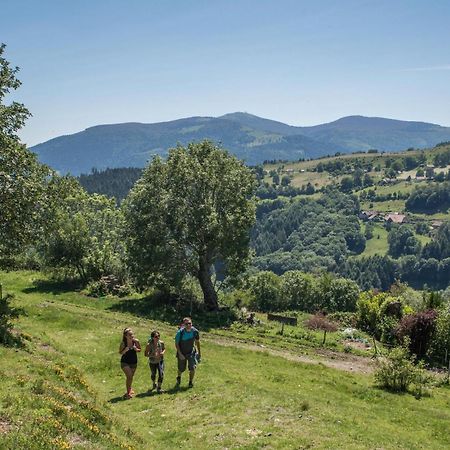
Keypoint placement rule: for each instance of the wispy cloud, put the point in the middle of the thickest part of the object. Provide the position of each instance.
(428, 68)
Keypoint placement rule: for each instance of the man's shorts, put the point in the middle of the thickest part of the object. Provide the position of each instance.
(189, 360)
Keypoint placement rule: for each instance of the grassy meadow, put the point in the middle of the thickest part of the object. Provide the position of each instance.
(64, 388)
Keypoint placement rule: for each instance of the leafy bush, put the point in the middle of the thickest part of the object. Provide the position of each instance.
(239, 298)
(440, 344)
(300, 289)
(266, 290)
(107, 285)
(396, 371)
(6, 314)
(419, 328)
(346, 319)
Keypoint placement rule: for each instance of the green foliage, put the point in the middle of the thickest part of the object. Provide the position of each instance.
(187, 214)
(300, 290)
(439, 247)
(83, 232)
(431, 198)
(308, 234)
(22, 178)
(402, 241)
(13, 116)
(440, 345)
(266, 290)
(107, 285)
(296, 290)
(111, 182)
(7, 312)
(379, 314)
(373, 272)
(23, 194)
(396, 371)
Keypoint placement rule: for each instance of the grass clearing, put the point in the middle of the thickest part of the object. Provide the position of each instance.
(242, 399)
(378, 245)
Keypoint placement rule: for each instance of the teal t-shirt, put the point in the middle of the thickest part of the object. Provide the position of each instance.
(186, 335)
(186, 339)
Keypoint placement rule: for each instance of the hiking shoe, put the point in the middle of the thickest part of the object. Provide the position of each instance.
(126, 396)
(191, 384)
(159, 390)
(177, 384)
(154, 386)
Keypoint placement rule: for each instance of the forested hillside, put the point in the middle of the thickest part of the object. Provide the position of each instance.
(111, 182)
(249, 137)
(371, 217)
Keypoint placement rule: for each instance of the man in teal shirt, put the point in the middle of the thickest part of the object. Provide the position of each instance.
(187, 343)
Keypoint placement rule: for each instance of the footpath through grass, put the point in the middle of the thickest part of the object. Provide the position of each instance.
(64, 390)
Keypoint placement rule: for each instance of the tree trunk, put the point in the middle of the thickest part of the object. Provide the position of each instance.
(209, 293)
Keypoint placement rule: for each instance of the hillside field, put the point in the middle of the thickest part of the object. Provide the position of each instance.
(63, 390)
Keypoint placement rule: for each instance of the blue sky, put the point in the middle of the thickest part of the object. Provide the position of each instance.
(85, 63)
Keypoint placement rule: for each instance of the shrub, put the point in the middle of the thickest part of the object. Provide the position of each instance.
(346, 319)
(320, 322)
(265, 288)
(299, 289)
(396, 371)
(419, 328)
(239, 298)
(6, 314)
(107, 285)
(440, 343)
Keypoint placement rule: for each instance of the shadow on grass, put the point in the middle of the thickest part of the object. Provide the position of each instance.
(152, 393)
(160, 307)
(53, 287)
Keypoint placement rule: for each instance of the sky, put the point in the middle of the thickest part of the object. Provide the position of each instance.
(85, 63)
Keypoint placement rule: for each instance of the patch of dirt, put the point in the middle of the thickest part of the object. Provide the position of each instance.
(357, 345)
(5, 426)
(77, 440)
(47, 347)
(335, 360)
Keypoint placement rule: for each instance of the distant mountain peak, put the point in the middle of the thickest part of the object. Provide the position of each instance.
(249, 137)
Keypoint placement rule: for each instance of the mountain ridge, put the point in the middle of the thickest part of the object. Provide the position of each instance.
(247, 136)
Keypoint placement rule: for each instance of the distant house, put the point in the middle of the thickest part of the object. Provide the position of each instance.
(386, 181)
(288, 171)
(436, 224)
(395, 218)
(368, 216)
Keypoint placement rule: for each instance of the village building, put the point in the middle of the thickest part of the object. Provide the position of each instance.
(368, 216)
(396, 218)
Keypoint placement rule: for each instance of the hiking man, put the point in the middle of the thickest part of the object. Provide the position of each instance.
(187, 343)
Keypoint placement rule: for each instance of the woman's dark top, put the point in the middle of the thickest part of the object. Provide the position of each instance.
(129, 357)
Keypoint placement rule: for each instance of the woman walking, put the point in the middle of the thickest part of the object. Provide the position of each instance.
(128, 349)
(155, 351)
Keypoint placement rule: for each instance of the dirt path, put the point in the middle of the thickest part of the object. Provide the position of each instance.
(328, 358)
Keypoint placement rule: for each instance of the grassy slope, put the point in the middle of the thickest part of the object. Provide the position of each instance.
(242, 399)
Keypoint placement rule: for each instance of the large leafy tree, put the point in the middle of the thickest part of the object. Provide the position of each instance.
(187, 214)
(82, 231)
(22, 178)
